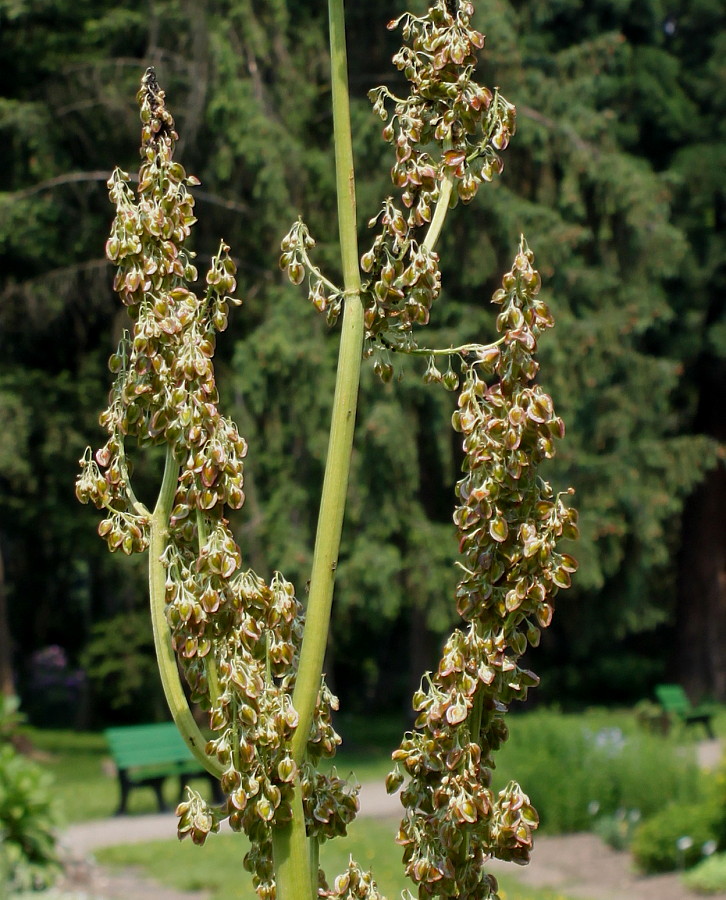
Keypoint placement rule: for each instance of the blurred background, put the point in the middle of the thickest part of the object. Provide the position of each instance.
(616, 176)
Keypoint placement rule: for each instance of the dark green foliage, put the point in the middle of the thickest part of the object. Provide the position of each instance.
(121, 666)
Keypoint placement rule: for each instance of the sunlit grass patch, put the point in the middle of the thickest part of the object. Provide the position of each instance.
(217, 867)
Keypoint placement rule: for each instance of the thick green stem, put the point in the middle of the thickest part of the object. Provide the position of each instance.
(314, 851)
(293, 879)
(292, 856)
(345, 401)
(173, 690)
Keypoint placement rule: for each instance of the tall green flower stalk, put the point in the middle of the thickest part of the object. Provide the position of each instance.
(292, 863)
(251, 655)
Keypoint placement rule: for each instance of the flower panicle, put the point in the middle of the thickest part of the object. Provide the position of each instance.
(509, 523)
(448, 134)
(236, 636)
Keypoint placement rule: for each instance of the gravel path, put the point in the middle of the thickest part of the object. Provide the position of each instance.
(580, 865)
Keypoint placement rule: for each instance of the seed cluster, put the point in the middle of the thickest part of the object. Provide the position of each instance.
(445, 109)
(165, 391)
(509, 523)
(353, 884)
(448, 128)
(237, 637)
(294, 259)
(405, 278)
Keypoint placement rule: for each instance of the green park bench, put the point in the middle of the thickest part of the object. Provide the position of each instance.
(146, 755)
(674, 701)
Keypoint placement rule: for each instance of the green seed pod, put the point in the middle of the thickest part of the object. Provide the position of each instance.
(450, 380)
(296, 272)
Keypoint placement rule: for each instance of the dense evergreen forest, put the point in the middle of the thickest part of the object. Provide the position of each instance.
(616, 177)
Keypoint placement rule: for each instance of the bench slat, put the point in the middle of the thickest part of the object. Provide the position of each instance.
(149, 745)
(147, 754)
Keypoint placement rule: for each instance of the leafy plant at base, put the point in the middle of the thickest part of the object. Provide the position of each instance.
(708, 876)
(28, 858)
(253, 659)
(674, 838)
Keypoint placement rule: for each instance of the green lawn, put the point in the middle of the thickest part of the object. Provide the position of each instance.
(217, 867)
(85, 785)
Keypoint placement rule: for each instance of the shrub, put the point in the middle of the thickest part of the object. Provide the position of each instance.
(584, 767)
(10, 717)
(617, 829)
(709, 876)
(675, 838)
(28, 859)
(718, 794)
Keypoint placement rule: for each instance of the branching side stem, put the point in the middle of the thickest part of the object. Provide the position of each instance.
(440, 211)
(170, 680)
(462, 350)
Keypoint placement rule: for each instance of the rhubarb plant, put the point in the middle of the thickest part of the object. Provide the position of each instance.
(250, 651)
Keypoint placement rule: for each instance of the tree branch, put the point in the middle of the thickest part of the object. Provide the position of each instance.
(80, 177)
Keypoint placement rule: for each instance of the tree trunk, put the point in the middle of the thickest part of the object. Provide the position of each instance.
(701, 599)
(701, 612)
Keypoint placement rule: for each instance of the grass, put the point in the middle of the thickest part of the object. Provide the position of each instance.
(87, 788)
(217, 867)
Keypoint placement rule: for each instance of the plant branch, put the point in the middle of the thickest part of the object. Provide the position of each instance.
(133, 499)
(173, 690)
(315, 271)
(440, 211)
(463, 349)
